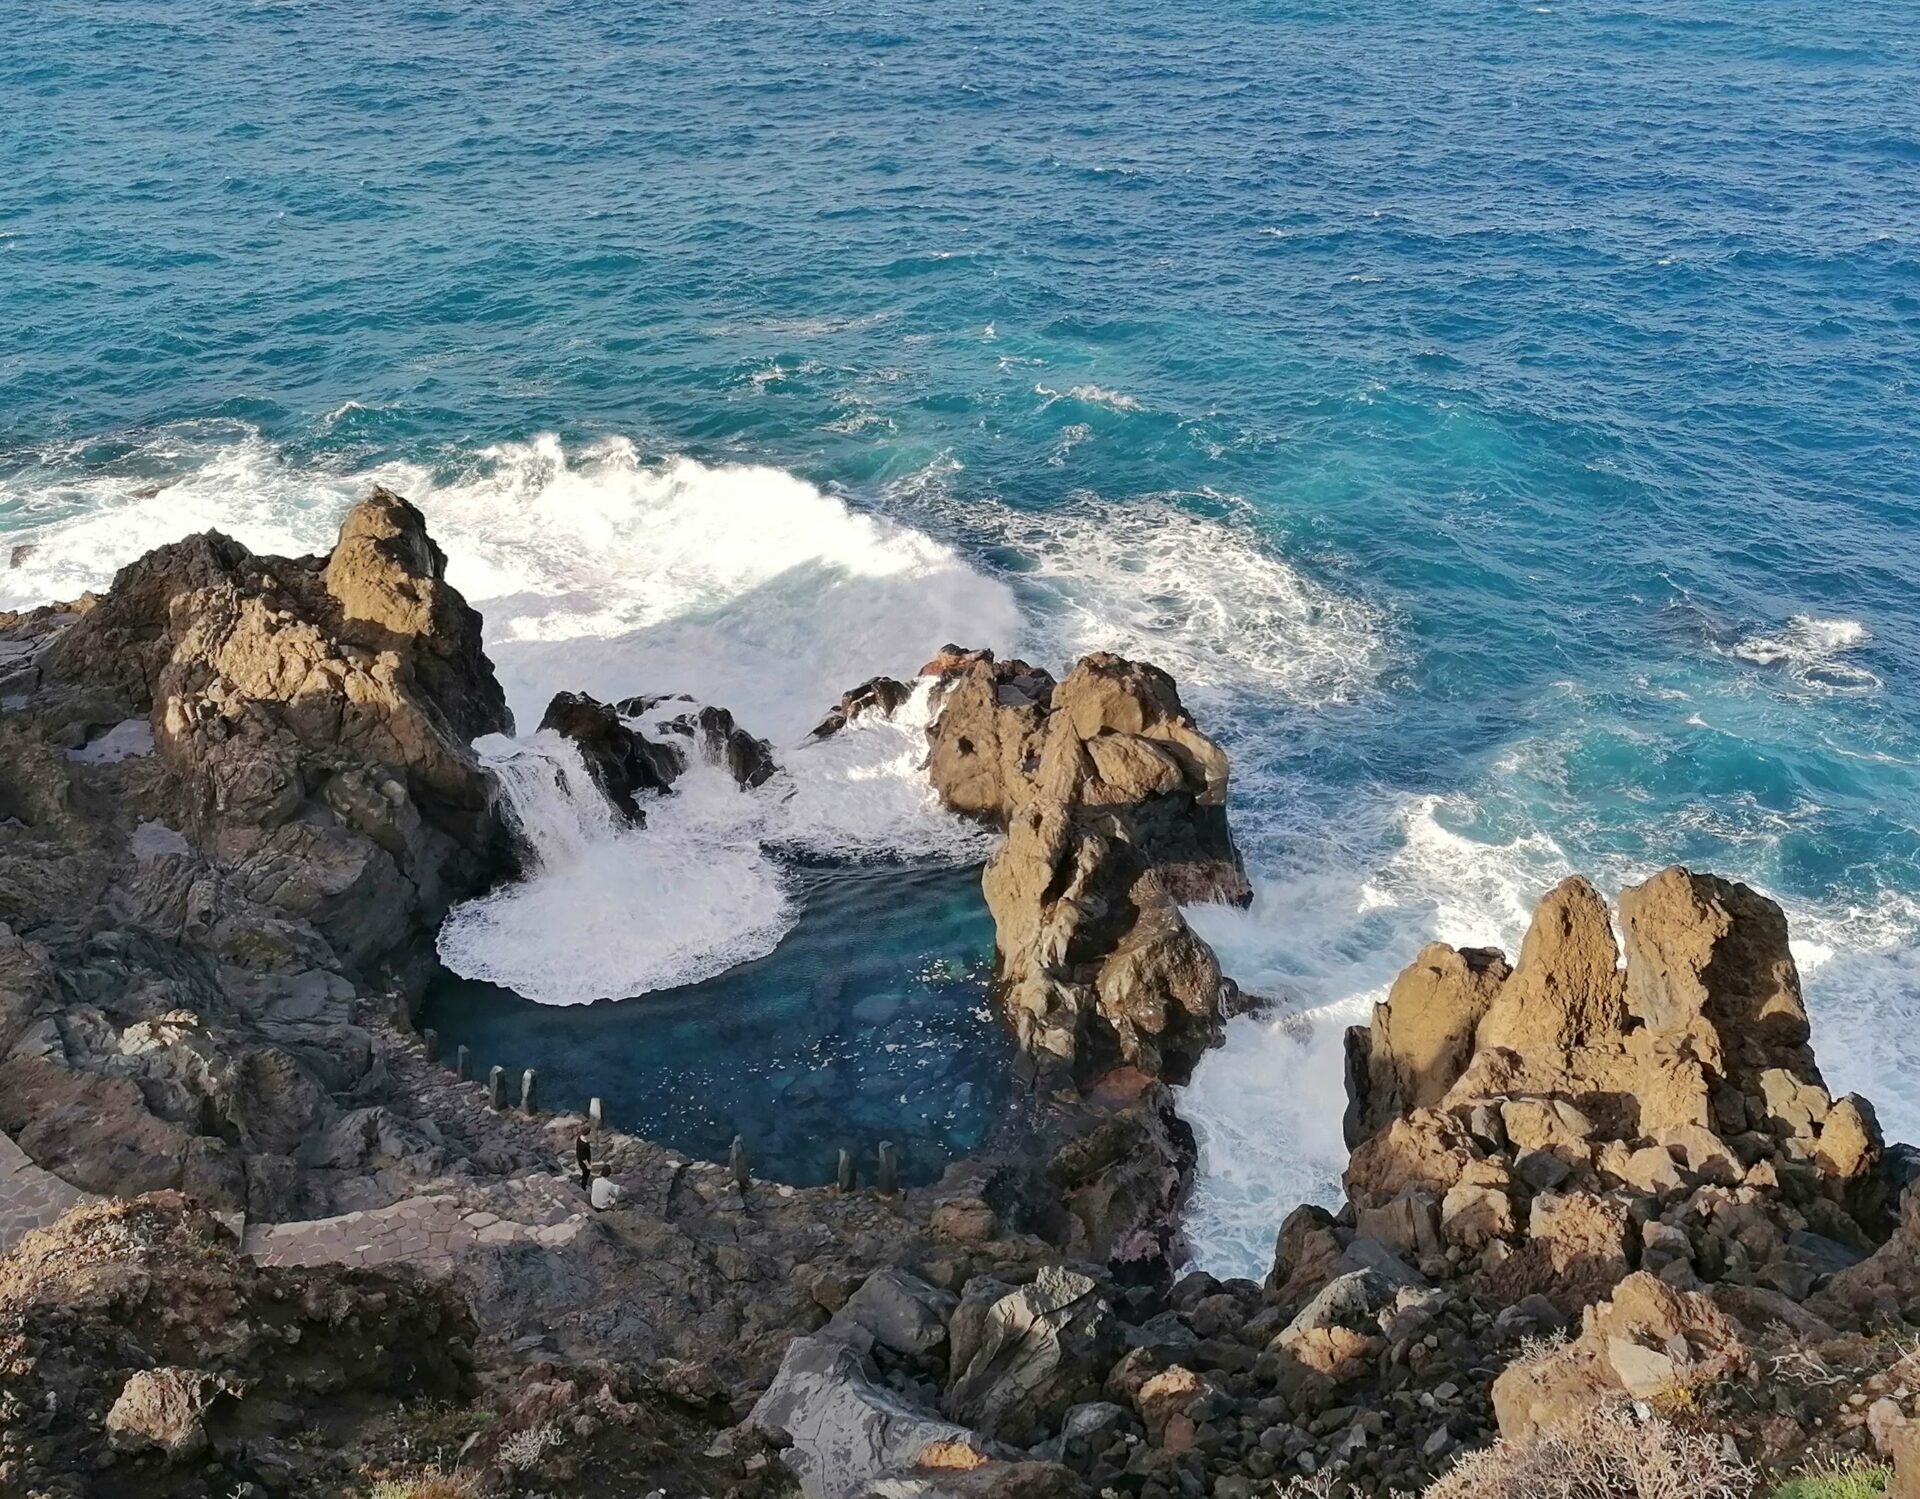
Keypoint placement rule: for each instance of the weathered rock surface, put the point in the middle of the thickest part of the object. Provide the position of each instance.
(622, 761)
(235, 796)
(1578, 1115)
(192, 924)
(720, 741)
(1115, 809)
(879, 696)
(1020, 1359)
(153, 1356)
(845, 1432)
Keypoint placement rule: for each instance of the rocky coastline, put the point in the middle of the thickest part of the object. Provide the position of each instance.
(1599, 1192)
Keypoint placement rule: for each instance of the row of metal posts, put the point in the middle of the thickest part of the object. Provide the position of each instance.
(846, 1172)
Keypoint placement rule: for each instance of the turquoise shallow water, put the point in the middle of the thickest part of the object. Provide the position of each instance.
(1500, 416)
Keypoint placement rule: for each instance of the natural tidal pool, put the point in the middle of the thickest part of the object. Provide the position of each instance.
(870, 1021)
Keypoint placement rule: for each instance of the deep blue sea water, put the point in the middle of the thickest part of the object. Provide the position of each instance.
(1501, 417)
(825, 1044)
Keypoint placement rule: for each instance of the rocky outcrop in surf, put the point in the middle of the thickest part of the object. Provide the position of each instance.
(1554, 1125)
(239, 797)
(881, 696)
(625, 764)
(313, 718)
(1114, 806)
(1629, 1138)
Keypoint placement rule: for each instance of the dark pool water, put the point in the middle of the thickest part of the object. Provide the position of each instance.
(869, 1022)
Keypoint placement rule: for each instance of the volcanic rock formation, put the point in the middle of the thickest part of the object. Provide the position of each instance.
(1572, 1118)
(239, 797)
(1114, 805)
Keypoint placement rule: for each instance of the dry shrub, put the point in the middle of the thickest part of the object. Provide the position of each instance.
(1606, 1452)
(428, 1483)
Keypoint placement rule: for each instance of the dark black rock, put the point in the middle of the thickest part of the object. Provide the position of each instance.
(621, 761)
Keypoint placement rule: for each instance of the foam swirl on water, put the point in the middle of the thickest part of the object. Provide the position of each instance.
(1811, 651)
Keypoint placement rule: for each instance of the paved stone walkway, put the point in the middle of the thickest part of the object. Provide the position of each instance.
(434, 1229)
(455, 1216)
(429, 1231)
(30, 1198)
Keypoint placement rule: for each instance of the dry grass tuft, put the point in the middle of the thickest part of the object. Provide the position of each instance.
(428, 1483)
(1604, 1453)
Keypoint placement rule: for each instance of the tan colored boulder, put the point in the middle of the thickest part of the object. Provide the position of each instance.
(1700, 948)
(1644, 1340)
(990, 716)
(1576, 1251)
(388, 577)
(162, 1408)
(1472, 1215)
(966, 1221)
(316, 715)
(1904, 1447)
(1163, 1403)
(1409, 1225)
(1113, 803)
(1850, 1140)
(1426, 1151)
(1422, 1038)
(1566, 989)
(1338, 1353)
(1794, 1105)
(1547, 1124)
(1703, 1153)
(1306, 1255)
(1651, 1170)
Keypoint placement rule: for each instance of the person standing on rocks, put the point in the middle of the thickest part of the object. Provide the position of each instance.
(583, 1153)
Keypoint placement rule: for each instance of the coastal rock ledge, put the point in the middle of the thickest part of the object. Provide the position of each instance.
(237, 796)
(1601, 1209)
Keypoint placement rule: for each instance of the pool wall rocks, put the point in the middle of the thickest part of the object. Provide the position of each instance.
(236, 796)
(215, 945)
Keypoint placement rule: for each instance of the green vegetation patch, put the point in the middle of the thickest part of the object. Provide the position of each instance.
(1838, 1483)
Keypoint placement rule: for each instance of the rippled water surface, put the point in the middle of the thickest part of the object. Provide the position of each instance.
(1501, 417)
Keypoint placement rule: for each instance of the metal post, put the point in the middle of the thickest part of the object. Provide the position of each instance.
(430, 1038)
(887, 1178)
(530, 1091)
(462, 1063)
(497, 1087)
(596, 1115)
(846, 1174)
(738, 1163)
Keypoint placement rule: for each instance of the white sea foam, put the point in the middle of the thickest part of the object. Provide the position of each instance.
(1860, 967)
(1206, 599)
(1154, 576)
(611, 911)
(750, 589)
(1811, 651)
(602, 573)
(1091, 395)
(209, 480)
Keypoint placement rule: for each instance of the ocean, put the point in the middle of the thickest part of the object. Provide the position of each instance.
(1503, 419)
